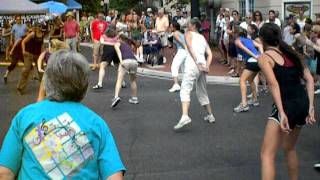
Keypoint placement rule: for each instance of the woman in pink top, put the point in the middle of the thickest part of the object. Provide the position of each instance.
(109, 55)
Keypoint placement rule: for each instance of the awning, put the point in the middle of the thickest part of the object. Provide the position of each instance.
(72, 4)
(10, 7)
(54, 7)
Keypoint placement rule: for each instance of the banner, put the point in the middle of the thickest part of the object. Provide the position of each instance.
(296, 7)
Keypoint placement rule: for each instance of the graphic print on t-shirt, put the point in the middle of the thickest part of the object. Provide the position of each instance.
(60, 146)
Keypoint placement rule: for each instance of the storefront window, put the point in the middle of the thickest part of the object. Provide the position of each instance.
(242, 6)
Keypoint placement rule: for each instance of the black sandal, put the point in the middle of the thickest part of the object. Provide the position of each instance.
(5, 79)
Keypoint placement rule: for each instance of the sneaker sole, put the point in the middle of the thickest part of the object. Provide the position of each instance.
(183, 126)
(174, 91)
(245, 110)
(211, 121)
(114, 104)
(133, 102)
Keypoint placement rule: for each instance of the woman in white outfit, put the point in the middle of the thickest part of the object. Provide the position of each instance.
(196, 68)
(181, 55)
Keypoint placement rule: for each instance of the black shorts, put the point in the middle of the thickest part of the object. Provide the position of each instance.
(109, 54)
(232, 50)
(252, 66)
(296, 110)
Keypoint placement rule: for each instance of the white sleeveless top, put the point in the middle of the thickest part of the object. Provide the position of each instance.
(198, 45)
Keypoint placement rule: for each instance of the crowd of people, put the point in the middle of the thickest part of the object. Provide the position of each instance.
(282, 55)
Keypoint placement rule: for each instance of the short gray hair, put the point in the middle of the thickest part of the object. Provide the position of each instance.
(66, 76)
(196, 22)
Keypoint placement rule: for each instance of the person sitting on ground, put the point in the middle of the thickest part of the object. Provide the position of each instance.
(64, 139)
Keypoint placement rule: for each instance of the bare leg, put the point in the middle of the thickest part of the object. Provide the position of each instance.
(121, 74)
(102, 72)
(185, 108)
(243, 86)
(270, 145)
(175, 80)
(253, 86)
(134, 89)
(288, 143)
(208, 108)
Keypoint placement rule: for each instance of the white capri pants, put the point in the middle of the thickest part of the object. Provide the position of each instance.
(178, 60)
(193, 75)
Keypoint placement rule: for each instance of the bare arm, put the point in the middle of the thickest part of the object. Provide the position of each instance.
(310, 90)
(15, 45)
(40, 61)
(117, 48)
(91, 32)
(259, 46)
(315, 46)
(209, 56)
(267, 69)
(239, 44)
(6, 174)
(24, 41)
(116, 176)
(5, 34)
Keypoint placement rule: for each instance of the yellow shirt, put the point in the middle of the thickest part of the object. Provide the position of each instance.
(162, 24)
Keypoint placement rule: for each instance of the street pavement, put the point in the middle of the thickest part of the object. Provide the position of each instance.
(151, 150)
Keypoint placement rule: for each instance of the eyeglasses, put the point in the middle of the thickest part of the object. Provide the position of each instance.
(234, 14)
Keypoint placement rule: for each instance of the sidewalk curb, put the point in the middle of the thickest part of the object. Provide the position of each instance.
(226, 80)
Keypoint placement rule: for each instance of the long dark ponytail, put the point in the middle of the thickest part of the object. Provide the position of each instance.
(270, 35)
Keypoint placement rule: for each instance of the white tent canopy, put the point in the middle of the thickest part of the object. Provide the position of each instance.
(20, 7)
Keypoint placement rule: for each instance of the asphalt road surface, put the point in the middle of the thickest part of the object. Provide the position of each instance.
(151, 150)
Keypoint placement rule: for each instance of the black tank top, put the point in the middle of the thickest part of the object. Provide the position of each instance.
(34, 45)
(289, 79)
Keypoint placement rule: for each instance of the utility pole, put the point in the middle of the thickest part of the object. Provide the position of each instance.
(195, 8)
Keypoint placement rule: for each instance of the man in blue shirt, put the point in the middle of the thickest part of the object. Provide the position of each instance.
(60, 138)
(18, 30)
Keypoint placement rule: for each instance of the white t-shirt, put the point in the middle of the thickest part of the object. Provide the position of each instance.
(244, 25)
(301, 23)
(276, 21)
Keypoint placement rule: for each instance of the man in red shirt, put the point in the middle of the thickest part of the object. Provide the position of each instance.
(97, 27)
(71, 31)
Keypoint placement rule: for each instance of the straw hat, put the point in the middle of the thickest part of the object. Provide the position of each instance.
(57, 45)
(316, 28)
(69, 14)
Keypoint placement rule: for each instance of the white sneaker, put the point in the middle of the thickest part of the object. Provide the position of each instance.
(175, 88)
(164, 60)
(210, 118)
(317, 91)
(133, 100)
(231, 71)
(251, 102)
(185, 120)
(251, 95)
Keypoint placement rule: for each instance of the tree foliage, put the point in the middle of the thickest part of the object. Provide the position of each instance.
(123, 5)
